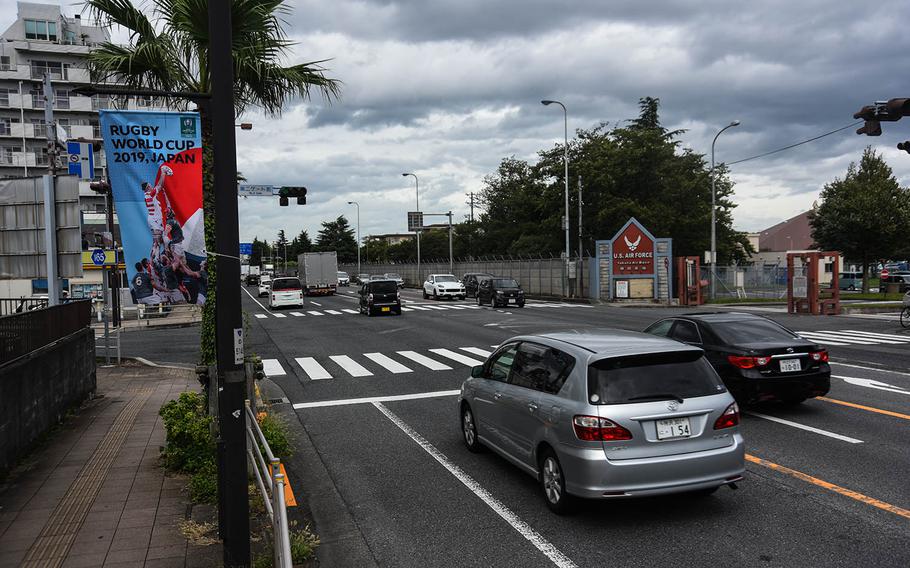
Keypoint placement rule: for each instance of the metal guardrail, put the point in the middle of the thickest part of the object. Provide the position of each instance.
(24, 332)
(10, 306)
(271, 483)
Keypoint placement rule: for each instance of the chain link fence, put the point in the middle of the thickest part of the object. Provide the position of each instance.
(750, 282)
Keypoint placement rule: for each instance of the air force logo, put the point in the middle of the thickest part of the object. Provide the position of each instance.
(632, 244)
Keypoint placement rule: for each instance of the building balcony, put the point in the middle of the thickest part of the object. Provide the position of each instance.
(16, 72)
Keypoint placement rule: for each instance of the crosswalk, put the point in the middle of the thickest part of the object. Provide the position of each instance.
(407, 308)
(854, 337)
(370, 364)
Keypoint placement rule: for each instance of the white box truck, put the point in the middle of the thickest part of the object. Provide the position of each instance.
(318, 272)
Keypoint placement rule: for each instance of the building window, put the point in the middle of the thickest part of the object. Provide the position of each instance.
(4, 97)
(55, 69)
(41, 29)
(100, 101)
(69, 37)
(61, 99)
(4, 126)
(6, 155)
(5, 64)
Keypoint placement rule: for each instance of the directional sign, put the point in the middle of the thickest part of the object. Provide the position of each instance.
(415, 221)
(81, 159)
(246, 248)
(872, 384)
(256, 190)
(98, 257)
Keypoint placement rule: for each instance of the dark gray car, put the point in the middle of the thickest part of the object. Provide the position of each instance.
(605, 414)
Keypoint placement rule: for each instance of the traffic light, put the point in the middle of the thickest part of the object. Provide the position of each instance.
(287, 192)
(905, 146)
(871, 128)
(895, 109)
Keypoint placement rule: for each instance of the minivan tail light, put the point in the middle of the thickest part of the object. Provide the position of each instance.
(819, 356)
(370, 298)
(728, 419)
(744, 362)
(595, 429)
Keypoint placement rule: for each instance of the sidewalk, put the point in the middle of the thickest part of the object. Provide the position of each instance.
(95, 493)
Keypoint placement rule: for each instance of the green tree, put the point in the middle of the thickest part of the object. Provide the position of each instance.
(375, 250)
(169, 51)
(866, 215)
(300, 245)
(338, 236)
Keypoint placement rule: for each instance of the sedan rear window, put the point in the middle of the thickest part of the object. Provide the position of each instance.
(386, 287)
(751, 331)
(643, 378)
(505, 283)
(286, 284)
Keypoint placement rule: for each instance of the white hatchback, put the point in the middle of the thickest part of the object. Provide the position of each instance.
(265, 284)
(286, 292)
(443, 286)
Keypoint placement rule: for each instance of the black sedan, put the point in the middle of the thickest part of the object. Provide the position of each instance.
(757, 358)
(500, 292)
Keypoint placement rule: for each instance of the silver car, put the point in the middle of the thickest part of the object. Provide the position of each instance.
(605, 414)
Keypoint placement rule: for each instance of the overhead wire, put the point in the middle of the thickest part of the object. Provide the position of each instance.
(851, 125)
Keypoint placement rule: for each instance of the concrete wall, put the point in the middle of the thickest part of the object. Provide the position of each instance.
(37, 389)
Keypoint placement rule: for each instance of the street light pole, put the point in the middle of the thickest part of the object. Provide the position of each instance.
(417, 193)
(714, 211)
(565, 115)
(358, 234)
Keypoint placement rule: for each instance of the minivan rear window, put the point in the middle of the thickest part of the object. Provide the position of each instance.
(383, 287)
(286, 284)
(644, 378)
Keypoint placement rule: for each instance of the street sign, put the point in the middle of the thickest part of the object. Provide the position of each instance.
(81, 159)
(246, 248)
(247, 190)
(885, 273)
(415, 221)
(800, 287)
(98, 257)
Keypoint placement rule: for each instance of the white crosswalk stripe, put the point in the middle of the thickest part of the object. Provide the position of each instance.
(854, 337)
(333, 312)
(297, 314)
(404, 309)
(457, 308)
(463, 359)
(421, 308)
(350, 311)
(315, 313)
(889, 336)
(437, 307)
(261, 316)
(477, 351)
(279, 315)
(431, 364)
(312, 368)
(351, 366)
(388, 363)
(272, 368)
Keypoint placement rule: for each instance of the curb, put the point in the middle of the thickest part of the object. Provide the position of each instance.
(147, 363)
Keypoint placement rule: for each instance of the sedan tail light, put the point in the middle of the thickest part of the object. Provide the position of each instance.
(728, 419)
(820, 356)
(743, 362)
(594, 429)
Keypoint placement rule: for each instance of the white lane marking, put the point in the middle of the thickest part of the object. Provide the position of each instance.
(821, 339)
(333, 312)
(272, 368)
(387, 362)
(252, 298)
(261, 316)
(524, 529)
(297, 314)
(463, 359)
(473, 307)
(408, 301)
(477, 351)
(806, 428)
(846, 337)
(457, 307)
(870, 368)
(872, 384)
(888, 336)
(437, 307)
(421, 308)
(371, 399)
(404, 309)
(315, 303)
(425, 361)
(315, 313)
(350, 311)
(312, 368)
(279, 315)
(351, 366)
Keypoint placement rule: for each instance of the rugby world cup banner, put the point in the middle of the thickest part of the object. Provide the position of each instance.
(154, 162)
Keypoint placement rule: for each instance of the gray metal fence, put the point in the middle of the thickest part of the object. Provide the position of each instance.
(537, 276)
(762, 281)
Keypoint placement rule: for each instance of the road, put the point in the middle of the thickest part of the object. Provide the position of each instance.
(826, 483)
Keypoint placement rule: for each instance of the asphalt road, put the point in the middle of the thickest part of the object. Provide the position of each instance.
(826, 484)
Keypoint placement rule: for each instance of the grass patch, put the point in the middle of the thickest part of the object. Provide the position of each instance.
(873, 296)
(303, 544)
(895, 307)
(201, 534)
(190, 446)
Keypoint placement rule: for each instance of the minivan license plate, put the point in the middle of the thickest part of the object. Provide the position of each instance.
(673, 428)
(386, 309)
(790, 365)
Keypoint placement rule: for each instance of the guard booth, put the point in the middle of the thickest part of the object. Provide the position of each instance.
(634, 266)
(688, 286)
(805, 294)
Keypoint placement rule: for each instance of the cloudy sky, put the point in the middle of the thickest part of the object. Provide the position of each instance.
(446, 89)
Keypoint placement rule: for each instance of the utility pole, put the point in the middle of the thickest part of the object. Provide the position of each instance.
(578, 268)
(50, 196)
(472, 206)
(233, 497)
(451, 263)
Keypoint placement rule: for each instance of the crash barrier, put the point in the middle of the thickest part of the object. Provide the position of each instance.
(537, 276)
(267, 470)
(149, 315)
(47, 365)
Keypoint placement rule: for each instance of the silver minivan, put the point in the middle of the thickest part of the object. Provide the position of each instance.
(605, 414)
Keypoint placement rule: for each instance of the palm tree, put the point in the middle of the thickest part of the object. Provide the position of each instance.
(169, 51)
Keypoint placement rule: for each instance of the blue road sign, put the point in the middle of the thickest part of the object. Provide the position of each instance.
(98, 257)
(81, 159)
(246, 248)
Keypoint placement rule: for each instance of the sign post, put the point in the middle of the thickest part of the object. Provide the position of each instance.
(81, 159)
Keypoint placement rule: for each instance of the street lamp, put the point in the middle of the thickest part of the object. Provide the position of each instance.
(565, 114)
(358, 234)
(714, 211)
(417, 192)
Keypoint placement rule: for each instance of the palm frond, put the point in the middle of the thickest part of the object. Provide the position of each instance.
(124, 14)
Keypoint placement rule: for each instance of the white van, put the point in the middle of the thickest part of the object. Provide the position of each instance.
(286, 292)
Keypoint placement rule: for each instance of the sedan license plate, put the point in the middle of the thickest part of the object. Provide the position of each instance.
(386, 309)
(511, 300)
(673, 428)
(790, 365)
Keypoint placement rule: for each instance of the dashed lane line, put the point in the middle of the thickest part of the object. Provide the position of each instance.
(830, 486)
(870, 368)
(840, 437)
(863, 407)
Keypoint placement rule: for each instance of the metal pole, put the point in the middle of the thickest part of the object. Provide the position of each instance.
(451, 264)
(50, 193)
(578, 270)
(565, 114)
(714, 211)
(417, 194)
(232, 470)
